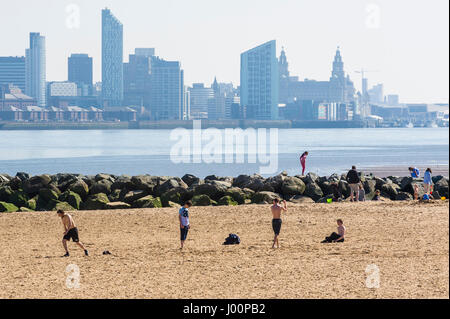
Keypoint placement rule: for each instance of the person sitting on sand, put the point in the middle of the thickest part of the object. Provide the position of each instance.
(185, 224)
(362, 193)
(277, 222)
(415, 173)
(377, 195)
(338, 237)
(70, 232)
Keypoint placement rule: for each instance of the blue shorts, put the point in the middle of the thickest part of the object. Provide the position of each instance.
(184, 232)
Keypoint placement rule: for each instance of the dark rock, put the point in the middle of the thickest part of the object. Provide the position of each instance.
(202, 200)
(442, 187)
(391, 190)
(8, 207)
(177, 195)
(80, 187)
(214, 189)
(33, 185)
(191, 180)
(15, 183)
(311, 178)
(48, 195)
(96, 202)
(264, 197)
(237, 194)
(403, 196)
(300, 199)
(254, 182)
(124, 182)
(170, 184)
(314, 191)
(5, 193)
(19, 198)
(102, 186)
(227, 201)
(145, 183)
(102, 177)
(344, 188)
(147, 202)
(274, 183)
(72, 198)
(292, 186)
(133, 196)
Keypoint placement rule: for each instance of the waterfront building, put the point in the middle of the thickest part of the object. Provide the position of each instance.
(80, 72)
(11, 95)
(167, 89)
(137, 78)
(199, 97)
(260, 82)
(35, 69)
(12, 71)
(112, 59)
(62, 89)
(376, 94)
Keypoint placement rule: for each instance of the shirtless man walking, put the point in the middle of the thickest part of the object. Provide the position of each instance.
(277, 222)
(70, 232)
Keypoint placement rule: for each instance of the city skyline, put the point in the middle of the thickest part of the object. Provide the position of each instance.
(416, 68)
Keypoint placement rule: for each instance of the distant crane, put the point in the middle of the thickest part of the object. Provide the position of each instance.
(363, 72)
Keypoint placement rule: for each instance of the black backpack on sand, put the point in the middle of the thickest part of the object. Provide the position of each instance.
(232, 239)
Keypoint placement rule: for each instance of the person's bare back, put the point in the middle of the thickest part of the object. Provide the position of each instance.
(276, 209)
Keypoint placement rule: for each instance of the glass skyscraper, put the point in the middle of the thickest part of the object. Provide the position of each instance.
(260, 82)
(112, 59)
(12, 71)
(80, 71)
(35, 85)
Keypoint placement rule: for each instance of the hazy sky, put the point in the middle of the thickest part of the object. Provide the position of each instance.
(406, 41)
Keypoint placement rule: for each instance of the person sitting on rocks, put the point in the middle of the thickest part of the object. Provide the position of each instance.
(338, 237)
(415, 173)
(377, 195)
(362, 193)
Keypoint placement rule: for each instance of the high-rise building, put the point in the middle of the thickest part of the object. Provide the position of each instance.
(137, 78)
(260, 82)
(80, 72)
(376, 94)
(112, 59)
(199, 95)
(12, 71)
(167, 90)
(35, 69)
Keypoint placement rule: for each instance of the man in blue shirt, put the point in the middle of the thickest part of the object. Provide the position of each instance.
(183, 215)
(414, 172)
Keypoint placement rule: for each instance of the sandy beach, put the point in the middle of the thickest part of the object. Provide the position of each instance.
(407, 241)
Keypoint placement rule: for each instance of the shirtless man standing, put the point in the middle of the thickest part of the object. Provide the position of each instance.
(276, 222)
(70, 232)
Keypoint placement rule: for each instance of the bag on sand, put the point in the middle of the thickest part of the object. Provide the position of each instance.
(232, 239)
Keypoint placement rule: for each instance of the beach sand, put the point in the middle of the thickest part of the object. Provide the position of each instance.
(408, 242)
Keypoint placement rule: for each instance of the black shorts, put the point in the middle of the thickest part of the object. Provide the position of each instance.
(276, 225)
(184, 232)
(72, 234)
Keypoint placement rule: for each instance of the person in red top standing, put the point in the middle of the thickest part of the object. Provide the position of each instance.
(303, 161)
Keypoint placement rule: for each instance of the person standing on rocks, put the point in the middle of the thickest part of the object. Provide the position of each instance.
(185, 225)
(427, 181)
(303, 161)
(277, 222)
(70, 232)
(353, 181)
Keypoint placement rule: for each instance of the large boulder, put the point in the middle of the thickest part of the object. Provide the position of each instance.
(96, 202)
(8, 207)
(65, 180)
(103, 177)
(147, 202)
(101, 186)
(48, 195)
(72, 198)
(31, 204)
(177, 195)
(274, 183)
(19, 198)
(391, 190)
(370, 188)
(170, 184)
(133, 196)
(441, 186)
(4, 179)
(314, 191)
(344, 188)
(191, 180)
(5, 193)
(80, 187)
(404, 196)
(202, 200)
(58, 205)
(311, 178)
(145, 183)
(293, 186)
(25, 210)
(125, 182)
(254, 182)
(227, 201)
(237, 194)
(214, 189)
(264, 197)
(15, 183)
(33, 185)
